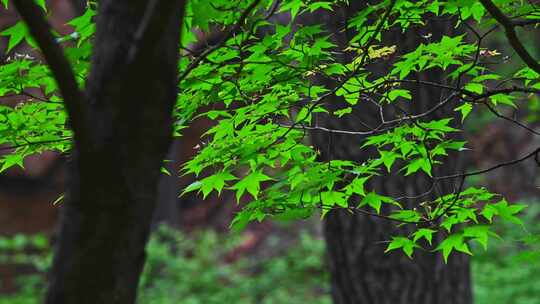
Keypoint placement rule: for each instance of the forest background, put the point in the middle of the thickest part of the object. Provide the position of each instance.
(470, 66)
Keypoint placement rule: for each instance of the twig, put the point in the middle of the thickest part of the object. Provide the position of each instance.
(74, 99)
(226, 37)
(514, 121)
(497, 166)
(511, 35)
(35, 143)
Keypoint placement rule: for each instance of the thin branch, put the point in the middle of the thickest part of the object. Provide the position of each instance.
(513, 89)
(52, 141)
(74, 99)
(511, 35)
(474, 96)
(533, 153)
(273, 9)
(525, 22)
(454, 201)
(511, 120)
(321, 98)
(377, 30)
(230, 33)
(367, 213)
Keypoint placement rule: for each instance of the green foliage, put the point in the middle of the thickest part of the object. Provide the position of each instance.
(507, 272)
(260, 92)
(29, 250)
(193, 269)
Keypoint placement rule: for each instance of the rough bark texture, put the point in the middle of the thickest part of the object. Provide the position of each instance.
(361, 271)
(112, 185)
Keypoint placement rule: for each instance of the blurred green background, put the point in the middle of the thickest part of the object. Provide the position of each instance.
(199, 268)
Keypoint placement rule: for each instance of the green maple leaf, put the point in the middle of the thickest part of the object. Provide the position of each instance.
(404, 243)
(251, 183)
(293, 6)
(388, 158)
(42, 4)
(424, 233)
(16, 34)
(479, 233)
(331, 198)
(357, 186)
(375, 201)
(216, 181)
(11, 160)
(465, 109)
(453, 242)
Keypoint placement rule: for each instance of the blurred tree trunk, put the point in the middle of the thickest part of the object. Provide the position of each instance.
(112, 184)
(79, 6)
(361, 272)
(167, 205)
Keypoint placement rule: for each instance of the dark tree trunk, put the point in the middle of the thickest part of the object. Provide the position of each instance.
(79, 6)
(361, 272)
(112, 184)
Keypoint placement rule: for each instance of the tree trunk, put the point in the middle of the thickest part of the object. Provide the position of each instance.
(79, 6)
(167, 206)
(112, 184)
(361, 272)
